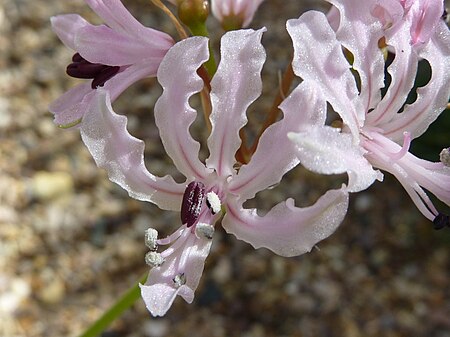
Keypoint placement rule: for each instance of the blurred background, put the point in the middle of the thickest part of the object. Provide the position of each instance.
(71, 241)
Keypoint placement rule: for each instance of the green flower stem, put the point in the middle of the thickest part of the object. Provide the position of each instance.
(124, 303)
(200, 29)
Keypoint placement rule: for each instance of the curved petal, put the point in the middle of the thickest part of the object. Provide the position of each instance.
(128, 76)
(122, 156)
(432, 98)
(390, 13)
(101, 44)
(424, 16)
(66, 27)
(71, 106)
(116, 16)
(236, 84)
(301, 109)
(403, 72)
(187, 262)
(326, 150)
(360, 32)
(177, 75)
(288, 230)
(318, 58)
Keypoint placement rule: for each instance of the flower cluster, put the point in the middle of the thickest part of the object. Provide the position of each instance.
(341, 59)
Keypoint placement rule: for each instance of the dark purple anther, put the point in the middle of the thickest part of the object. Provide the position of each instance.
(100, 73)
(103, 76)
(441, 221)
(77, 58)
(84, 69)
(192, 202)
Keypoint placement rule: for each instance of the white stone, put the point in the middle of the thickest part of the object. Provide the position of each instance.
(48, 185)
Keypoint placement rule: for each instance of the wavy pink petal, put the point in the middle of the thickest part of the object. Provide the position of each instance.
(316, 46)
(359, 32)
(177, 75)
(236, 84)
(101, 44)
(403, 72)
(122, 156)
(326, 150)
(287, 230)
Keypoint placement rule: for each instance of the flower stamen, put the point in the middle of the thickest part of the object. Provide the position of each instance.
(204, 230)
(151, 239)
(213, 202)
(192, 203)
(441, 221)
(179, 280)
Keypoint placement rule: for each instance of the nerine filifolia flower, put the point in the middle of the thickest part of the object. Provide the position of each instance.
(377, 130)
(113, 56)
(234, 14)
(217, 186)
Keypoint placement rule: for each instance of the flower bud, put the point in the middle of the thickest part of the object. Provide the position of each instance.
(234, 14)
(193, 12)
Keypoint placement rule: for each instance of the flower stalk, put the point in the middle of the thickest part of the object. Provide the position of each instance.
(117, 309)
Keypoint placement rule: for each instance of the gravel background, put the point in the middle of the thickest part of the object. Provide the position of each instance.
(71, 241)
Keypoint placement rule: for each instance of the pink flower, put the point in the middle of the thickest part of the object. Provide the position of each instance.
(217, 186)
(114, 55)
(376, 132)
(236, 13)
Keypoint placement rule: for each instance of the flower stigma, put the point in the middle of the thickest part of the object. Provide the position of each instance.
(179, 280)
